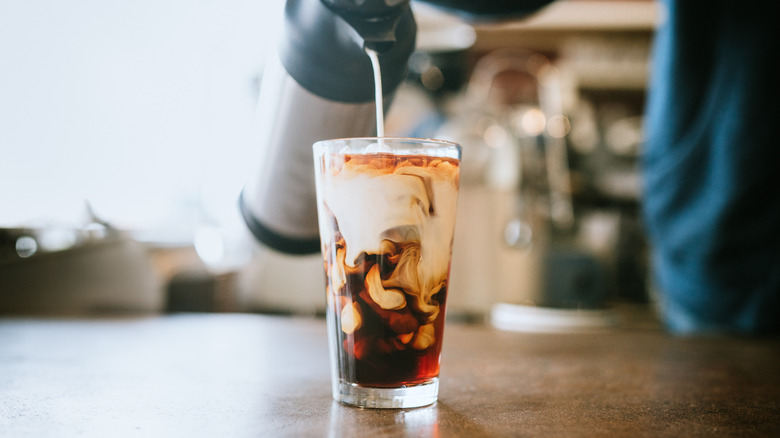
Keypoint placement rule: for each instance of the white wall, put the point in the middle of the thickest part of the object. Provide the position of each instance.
(143, 108)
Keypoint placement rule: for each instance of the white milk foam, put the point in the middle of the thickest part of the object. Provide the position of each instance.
(411, 204)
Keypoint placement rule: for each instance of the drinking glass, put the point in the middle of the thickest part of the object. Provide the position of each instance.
(386, 209)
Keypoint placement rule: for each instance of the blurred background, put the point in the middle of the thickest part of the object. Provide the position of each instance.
(126, 134)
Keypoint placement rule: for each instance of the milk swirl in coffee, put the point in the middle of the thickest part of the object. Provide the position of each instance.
(392, 219)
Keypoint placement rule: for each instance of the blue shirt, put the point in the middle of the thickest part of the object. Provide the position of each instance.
(711, 166)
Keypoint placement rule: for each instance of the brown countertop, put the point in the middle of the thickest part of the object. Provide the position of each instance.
(239, 375)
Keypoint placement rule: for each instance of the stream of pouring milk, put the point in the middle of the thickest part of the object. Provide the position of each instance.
(380, 116)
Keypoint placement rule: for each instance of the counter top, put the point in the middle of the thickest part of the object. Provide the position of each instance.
(237, 375)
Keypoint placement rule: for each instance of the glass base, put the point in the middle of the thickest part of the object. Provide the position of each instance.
(387, 398)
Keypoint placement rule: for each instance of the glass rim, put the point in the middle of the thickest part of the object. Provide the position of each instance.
(392, 138)
(413, 144)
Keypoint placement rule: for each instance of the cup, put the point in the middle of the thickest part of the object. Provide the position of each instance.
(386, 209)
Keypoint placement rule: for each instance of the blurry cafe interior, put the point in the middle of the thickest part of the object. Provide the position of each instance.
(135, 301)
(127, 136)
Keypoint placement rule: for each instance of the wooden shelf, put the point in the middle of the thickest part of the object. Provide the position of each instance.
(562, 20)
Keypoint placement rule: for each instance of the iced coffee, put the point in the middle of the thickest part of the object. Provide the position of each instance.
(387, 218)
